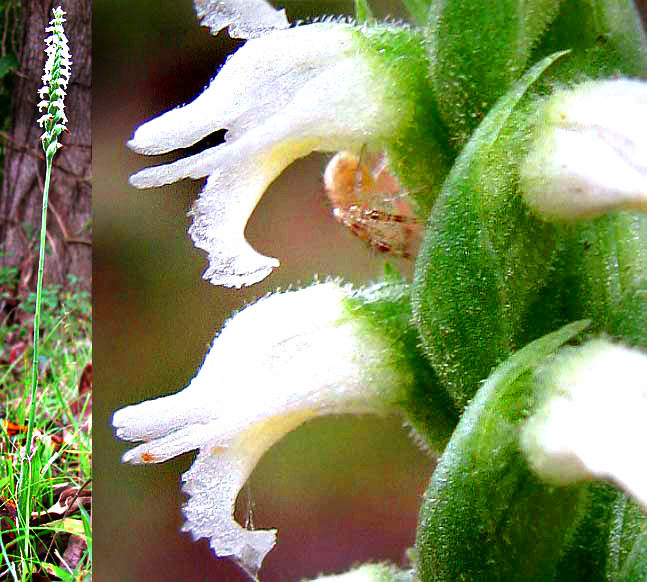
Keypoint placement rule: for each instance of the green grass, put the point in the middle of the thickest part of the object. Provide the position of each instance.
(35, 552)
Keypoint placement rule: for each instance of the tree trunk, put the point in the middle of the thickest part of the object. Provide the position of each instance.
(70, 210)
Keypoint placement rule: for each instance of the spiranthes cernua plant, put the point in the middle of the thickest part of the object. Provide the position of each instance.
(52, 94)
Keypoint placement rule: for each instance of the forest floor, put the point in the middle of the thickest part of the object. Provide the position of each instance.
(55, 543)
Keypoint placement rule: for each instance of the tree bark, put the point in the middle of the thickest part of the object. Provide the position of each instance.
(69, 232)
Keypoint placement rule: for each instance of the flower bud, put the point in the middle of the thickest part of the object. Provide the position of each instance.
(593, 423)
(589, 155)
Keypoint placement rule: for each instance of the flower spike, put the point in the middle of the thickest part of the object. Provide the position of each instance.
(55, 79)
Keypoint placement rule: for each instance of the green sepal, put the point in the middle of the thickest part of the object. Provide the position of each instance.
(601, 547)
(607, 38)
(585, 556)
(605, 275)
(477, 50)
(628, 320)
(484, 259)
(421, 155)
(635, 567)
(385, 308)
(593, 550)
(486, 516)
(627, 544)
(51, 149)
(56, 131)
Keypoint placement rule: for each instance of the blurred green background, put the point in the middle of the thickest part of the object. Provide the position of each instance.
(340, 490)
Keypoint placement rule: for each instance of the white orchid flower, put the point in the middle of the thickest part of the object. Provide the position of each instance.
(55, 79)
(281, 361)
(320, 87)
(590, 153)
(594, 424)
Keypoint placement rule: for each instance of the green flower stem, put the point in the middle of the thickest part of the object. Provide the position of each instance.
(39, 295)
(26, 488)
(477, 51)
(482, 254)
(55, 80)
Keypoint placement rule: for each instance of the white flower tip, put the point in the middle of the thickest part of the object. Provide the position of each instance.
(254, 546)
(232, 261)
(238, 271)
(590, 154)
(594, 423)
(221, 213)
(151, 178)
(182, 422)
(158, 135)
(245, 18)
(212, 484)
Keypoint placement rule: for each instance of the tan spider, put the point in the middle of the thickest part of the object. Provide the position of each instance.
(368, 200)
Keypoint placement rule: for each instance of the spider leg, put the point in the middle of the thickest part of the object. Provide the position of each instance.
(373, 214)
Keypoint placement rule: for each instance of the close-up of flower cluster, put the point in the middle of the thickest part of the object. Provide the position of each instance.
(502, 148)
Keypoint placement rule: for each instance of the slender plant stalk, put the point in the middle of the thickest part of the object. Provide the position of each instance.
(26, 465)
(11, 567)
(39, 292)
(55, 79)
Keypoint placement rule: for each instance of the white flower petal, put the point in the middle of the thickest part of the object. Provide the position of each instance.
(227, 469)
(595, 425)
(591, 154)
(245, 18)
(257, 81)
(289, 357)
(331, 99)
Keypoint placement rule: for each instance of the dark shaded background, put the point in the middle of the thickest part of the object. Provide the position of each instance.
(340, 490)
